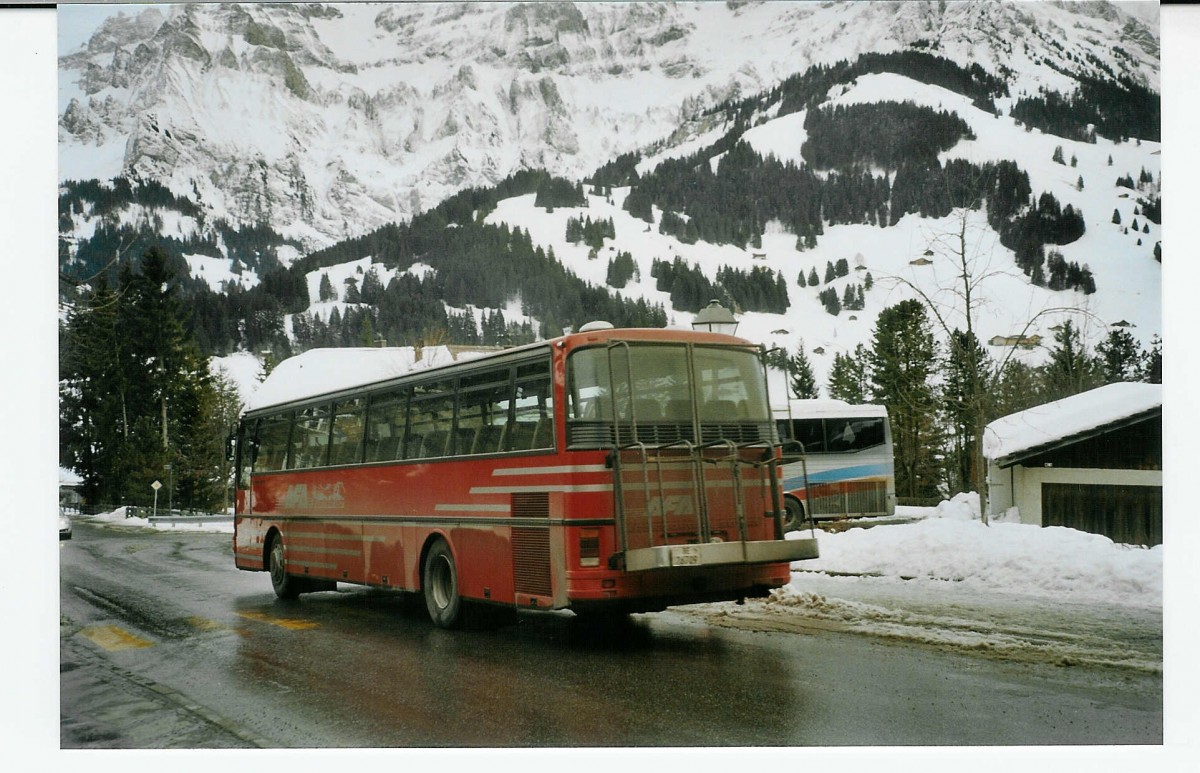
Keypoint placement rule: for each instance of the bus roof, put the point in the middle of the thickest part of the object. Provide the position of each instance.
(328, 371)
(325, 371)
(824, 409)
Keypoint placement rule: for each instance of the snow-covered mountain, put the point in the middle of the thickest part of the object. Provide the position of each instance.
(325, 121)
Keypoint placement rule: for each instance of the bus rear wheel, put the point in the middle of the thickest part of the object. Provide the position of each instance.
(440, 586)
(793, 518)
(284, 585)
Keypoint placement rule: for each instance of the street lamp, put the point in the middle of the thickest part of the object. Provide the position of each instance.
(715, 318)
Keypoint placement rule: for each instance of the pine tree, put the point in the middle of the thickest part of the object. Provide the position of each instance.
(1071, 368)
(372, 287)
(803, 385)
(352, 292)
(1152, 362)
(966, 399)
(848, 379)
(137, 393)
(902, 362)
(1019, 387)
(1120, 356)
(325, 291)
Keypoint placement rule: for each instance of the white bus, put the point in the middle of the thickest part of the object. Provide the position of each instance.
(837, 460)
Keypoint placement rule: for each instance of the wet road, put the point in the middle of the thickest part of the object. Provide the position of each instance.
(165, 645)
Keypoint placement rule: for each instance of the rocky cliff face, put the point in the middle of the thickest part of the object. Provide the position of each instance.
(325, 121)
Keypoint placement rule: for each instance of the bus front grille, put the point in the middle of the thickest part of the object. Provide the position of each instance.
(581, 435)
(848, 498)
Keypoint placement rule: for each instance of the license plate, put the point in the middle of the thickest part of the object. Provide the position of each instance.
(685, 555)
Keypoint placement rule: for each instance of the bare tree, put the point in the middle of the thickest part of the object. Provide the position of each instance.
(955, 304)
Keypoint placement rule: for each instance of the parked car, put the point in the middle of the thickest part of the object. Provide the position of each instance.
(64, 527)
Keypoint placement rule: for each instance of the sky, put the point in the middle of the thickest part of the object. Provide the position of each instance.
(77, 22)
(28, 256)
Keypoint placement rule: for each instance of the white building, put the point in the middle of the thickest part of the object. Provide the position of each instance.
(1091, 462)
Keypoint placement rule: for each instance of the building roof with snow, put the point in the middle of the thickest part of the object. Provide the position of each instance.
(1018, 436)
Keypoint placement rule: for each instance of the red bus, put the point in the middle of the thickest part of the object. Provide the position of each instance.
(612, 470)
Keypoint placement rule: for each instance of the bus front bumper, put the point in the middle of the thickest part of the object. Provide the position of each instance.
(718, 553)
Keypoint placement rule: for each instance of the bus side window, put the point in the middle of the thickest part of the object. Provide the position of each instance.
(810, 432)
(483, 400)
(246, 449)
(385, 426)
(533, 427)
(273, 442)
(789, 444)
(310, 438)
(855, 434)
(430, 421)
(346, 443)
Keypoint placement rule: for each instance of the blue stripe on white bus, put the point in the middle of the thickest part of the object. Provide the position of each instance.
(838, 474)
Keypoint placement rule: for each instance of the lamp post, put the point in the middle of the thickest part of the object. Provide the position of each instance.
(715, 318)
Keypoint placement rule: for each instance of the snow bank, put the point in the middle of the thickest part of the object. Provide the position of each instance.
(120, 517)
(1010, 557)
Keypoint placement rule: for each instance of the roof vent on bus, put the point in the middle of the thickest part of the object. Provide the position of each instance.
(596, 325)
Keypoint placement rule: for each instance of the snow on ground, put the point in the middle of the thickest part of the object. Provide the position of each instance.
(217, 272)
(1005, 590)
(950, 546)
(122, 517)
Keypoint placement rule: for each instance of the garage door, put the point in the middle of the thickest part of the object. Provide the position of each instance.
(1128, 514)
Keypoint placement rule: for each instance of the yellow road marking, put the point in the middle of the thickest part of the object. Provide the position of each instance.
(113, 638)
(282, 622)
(204, 624)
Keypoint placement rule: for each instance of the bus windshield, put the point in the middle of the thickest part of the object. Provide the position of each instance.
(654, 383)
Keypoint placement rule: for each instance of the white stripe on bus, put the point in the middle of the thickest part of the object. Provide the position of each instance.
(598, 487)
(294, 549)
(549, 470)
(319, 535)
(312, 564)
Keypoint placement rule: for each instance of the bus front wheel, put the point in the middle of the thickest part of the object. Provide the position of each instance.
(793, 518)
(440, 586)
(284, 585)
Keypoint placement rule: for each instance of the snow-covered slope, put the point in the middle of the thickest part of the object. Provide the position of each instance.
(1128, 278)
(325, 121)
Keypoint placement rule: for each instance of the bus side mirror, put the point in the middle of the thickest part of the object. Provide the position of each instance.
(230, 447)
